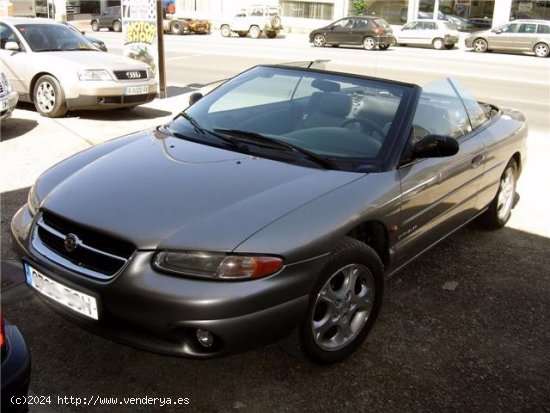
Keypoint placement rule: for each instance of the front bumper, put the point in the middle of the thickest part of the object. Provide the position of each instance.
(8, 104)
(161, 313)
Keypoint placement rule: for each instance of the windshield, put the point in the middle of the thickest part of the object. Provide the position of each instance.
(53, 37)
(337, 117)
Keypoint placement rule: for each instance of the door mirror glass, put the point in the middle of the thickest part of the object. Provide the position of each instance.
(435, 146)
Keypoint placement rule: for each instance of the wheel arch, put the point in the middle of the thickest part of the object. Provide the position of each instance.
(517, 157)
(375, 235)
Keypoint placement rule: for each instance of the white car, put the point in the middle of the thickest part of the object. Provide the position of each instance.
(437, 33)
(8, 97)
(254, 21)
(58, 69)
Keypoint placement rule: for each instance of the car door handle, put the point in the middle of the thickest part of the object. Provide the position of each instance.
(476, 161)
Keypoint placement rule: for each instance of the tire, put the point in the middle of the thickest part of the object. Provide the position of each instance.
(369, 43)
(176, 28)
(276, 22)
(449, 46)
(271, 34)
(254, 32)
(384, 46)
(480, 45)
(344, 303)
(48, 97)
(95, 26)
(225, 30)
(500, 208)
(541, 50)
(319, 40)
(438, 44)
(117, 26)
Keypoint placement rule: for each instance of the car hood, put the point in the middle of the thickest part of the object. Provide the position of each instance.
(163, 192)
(92, 59)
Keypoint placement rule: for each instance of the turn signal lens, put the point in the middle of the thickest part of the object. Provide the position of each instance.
(235, 266)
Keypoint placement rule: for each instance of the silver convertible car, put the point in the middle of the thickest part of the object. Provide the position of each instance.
(278, 203)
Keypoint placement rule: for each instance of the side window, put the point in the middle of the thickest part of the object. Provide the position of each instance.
(527, 28)
(440, 112)
(431, 26)
(360, 23)
(476, 112)
(543, 28)
(409, 26)
(509, 28)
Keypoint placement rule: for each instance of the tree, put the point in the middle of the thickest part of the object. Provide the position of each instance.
(359, 7)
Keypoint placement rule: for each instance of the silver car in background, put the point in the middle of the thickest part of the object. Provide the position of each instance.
(437, 33)
(58, 69)
(516, 36)
(8, 98)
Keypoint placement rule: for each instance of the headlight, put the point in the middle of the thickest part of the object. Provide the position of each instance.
(150, 74)
(217, 265)
(6, 83)
(94, 75)
(32, 201)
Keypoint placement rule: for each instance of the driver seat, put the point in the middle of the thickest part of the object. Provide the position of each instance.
(330, 109)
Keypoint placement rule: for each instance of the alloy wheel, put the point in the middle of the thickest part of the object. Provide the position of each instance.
(541, 50)
(506, 193)
(480, 46)
(46, 97)
(319, 40)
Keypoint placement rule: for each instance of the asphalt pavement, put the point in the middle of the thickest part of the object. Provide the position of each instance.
(464, 328)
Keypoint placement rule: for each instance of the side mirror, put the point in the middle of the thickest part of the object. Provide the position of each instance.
(435, 146)
(13, 46)
(82, 32)
(497, 31)
(194, 98)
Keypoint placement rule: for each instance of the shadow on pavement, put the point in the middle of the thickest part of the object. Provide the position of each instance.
(139, 112)
(15, 127)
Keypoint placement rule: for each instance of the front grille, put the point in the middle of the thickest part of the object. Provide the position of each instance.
(127, 74)
(96, 254)
(119, 100)
(1, 88)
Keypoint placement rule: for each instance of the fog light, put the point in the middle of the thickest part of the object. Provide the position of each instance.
(205, 338)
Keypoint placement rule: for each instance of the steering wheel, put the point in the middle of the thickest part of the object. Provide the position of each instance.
(368, 126)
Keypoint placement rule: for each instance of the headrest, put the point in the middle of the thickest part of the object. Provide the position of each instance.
(337, 105)
(326, 85)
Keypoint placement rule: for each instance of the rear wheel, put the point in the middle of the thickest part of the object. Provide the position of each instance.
(438, 44)
(369, 43)
(95, 26)
(254, 32)
(117, 26)
(49, 99)
(276, 22)
(541, 50)
(480, 45)
(225, 30)
(500, 209)
(176, 28)
(344, 303)
(319, 40)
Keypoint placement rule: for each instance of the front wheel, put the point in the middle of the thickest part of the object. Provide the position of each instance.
(319, 40)
(480, 46)
(49, 99)
(225, 31)
(117, 26)
(500, 208)
(95, 26)
(254, 32)
(369, 43)
(344, 303)
(176, 28)
(541, 50)
(438, 44)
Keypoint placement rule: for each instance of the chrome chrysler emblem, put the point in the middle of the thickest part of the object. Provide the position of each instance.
(133, 75)
(71, 242)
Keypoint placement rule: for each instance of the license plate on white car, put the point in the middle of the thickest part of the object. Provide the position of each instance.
(75, 300)
(136, 90)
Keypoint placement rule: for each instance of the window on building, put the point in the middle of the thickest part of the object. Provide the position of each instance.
(307, 10)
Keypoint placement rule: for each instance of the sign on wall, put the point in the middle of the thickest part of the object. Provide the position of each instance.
(139, 29)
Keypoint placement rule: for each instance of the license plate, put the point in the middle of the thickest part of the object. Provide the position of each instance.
(75, 300)
(137, 90)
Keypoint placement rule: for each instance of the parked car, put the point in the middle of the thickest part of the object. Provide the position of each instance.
(8, 97)
(185, 25)
(100, 44)
(280, 200)
(370, 32)
(110, 18)
(253, 21)
(16, 368)
(518, 36)
(58, 70)
(437, 33)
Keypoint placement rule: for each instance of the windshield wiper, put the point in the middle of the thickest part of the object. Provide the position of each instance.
(199, 129)
(260, 139)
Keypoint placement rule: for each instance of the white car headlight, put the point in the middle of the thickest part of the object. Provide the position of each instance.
(150, 73)
(214, 265)
(94, 75)
(7, 85)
